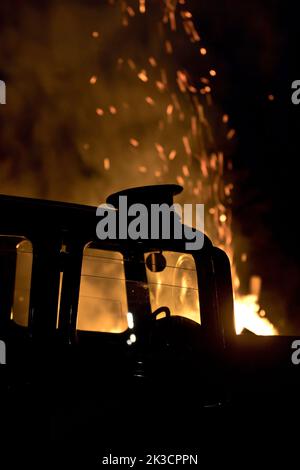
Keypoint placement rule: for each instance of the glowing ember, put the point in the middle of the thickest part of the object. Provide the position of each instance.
(93, 80)
(149, 100)
(143, 76)
(231, 134)
(172, 155)
(106, 164)
(169, 109)
(134, 142)
(143, 169)
(142, 6)
(152, 61)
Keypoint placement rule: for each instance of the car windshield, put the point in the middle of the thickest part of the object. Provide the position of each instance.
(112, 285)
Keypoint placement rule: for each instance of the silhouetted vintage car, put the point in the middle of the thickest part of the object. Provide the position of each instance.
(104, 336)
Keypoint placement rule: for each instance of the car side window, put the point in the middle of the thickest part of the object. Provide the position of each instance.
(16, 256)
(102, 299)
(175, 285)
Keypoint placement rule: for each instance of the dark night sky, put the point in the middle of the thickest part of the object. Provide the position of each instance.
(253, 45)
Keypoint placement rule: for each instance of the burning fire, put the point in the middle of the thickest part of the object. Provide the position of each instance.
(210, 184)
(248, 313)
(182, 103)
(146, 106)
(138, 111)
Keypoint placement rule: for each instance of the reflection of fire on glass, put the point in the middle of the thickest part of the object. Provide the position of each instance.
(102, 301)
(176, 286)
(103, 307)
(20, 308)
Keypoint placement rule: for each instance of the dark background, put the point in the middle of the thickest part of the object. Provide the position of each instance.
(253, 46)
